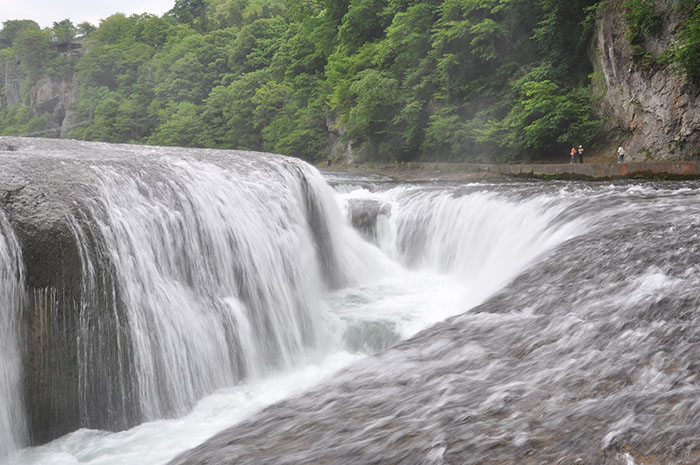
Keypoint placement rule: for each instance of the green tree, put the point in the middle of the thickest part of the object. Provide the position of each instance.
(63, 32)
(32, 51)
(84, 29)
(687, 52)
(183, 128)
(11, 30)
(543, 117)
(191, 12)
(400, 79)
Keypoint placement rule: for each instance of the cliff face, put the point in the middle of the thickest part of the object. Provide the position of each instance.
(55, 96)
(13, 84)
(48, 95)
(656, 105)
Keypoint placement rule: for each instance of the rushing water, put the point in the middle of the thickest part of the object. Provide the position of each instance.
(372, 322)
(590, 356)
(218, 274)
(12, 427)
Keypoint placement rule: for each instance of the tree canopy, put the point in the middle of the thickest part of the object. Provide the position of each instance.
(494, 80)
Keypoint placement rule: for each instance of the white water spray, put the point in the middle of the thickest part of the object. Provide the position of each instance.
(460, 247)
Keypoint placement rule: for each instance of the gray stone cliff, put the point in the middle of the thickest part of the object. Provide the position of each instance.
(655, 106)
(48, 95)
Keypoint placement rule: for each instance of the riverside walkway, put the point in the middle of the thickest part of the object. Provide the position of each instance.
(669, 169)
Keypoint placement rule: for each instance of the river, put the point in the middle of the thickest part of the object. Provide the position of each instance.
(300, 317)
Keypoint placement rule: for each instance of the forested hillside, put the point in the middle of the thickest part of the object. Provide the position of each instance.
(494, 80)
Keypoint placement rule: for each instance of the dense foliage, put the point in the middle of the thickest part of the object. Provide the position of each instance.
(643, 21)
(493, 80)
(687, 53)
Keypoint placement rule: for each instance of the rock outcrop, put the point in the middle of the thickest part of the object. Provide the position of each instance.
(33, 203)
(48, 95)
(654, 105)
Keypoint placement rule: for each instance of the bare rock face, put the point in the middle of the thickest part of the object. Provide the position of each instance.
(656, 104)
(13, 84)
(34, 205)
(48, 95)
(338, 148)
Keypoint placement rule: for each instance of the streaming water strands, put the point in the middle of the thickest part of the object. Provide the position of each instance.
(207, 273)
(12, 422)
(588, 357)
(216, 278)
(484, 237)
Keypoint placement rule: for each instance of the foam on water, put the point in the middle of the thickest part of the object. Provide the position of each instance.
(233, 284)
(158, 441)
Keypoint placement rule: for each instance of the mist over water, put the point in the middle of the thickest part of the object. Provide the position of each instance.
(371, 321)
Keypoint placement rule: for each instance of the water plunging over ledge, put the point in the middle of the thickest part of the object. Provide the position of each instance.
(12, 425)
(187, 290)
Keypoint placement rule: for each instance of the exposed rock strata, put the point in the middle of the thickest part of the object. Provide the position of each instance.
(656, 105)
(49, 95)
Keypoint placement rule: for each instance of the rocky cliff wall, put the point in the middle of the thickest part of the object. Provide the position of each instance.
(13, 84)
(655, 106)
(48, 95)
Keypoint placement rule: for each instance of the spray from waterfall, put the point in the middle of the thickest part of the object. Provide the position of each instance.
(482, 238)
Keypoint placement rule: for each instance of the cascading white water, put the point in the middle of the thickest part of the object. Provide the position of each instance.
(484, 238)
(219, 274)
(204, 276)
(175, 239)
(12, 423)
(459, 246)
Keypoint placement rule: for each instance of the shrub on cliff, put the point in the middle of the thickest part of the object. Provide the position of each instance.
(687, 52)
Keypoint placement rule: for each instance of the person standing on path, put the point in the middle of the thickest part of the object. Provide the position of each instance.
(620, 155)
(580, 153)
(573, 155)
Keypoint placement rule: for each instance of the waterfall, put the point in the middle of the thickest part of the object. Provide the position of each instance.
(166, 280)
(199, 274)
(12, 422)
(588, 354)
(485, 238)
(481, 237)
(157, 276)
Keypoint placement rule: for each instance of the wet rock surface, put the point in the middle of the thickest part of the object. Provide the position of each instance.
(364, 214)
(37, 196)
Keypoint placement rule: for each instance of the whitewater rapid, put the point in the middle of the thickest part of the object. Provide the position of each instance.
(424, 322)
(202, 283)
